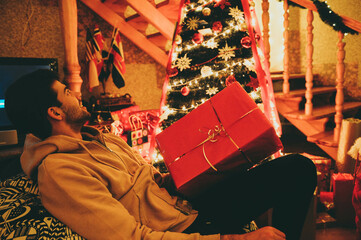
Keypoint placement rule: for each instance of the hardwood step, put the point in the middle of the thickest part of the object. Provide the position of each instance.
(279, 76)
(323, 138)
(296, 81)
(323, 111)
(301, 92)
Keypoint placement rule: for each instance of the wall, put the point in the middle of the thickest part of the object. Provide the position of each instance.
(325, 48)
(275, 32)
(143, 78)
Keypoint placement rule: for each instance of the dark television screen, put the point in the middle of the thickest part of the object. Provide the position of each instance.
(13, 68)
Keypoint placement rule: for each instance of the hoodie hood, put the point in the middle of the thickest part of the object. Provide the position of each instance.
(36, 150)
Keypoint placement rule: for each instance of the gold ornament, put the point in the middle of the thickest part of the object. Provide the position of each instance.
(252, 4)
(244, 26)
(206, 11)
(178, 39)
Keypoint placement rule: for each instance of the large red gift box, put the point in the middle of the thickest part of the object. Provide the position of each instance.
(226, 133)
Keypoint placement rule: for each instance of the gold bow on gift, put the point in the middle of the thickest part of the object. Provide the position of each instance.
(212, 134)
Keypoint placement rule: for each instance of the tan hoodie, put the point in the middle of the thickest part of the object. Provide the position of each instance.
(102, 189)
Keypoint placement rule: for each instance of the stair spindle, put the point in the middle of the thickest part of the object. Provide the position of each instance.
(309, 74)
(265, 22)
(286, 73)
(340, 71)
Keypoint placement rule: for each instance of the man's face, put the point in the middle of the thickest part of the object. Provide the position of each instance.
(74, 112)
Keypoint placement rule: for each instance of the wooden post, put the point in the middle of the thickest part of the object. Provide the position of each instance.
(286, 73)
(340, 71)
(265, 22)
(69, 20)
(309, 74)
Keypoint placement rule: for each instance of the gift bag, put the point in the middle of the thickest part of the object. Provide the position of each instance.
(138, 134)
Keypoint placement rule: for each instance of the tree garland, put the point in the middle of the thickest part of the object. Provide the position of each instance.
(328, 16)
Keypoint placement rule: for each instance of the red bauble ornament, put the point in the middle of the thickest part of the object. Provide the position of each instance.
(257, 37)
(246, 42)
(206, 11)
(253, 82)
(185, 91)
(230, 79)
(172, 72)
(217, 26)
(197, 38)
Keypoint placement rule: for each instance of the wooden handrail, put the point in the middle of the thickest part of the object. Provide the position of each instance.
(349, 22)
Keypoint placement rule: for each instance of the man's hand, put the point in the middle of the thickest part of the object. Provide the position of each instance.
(265, 233)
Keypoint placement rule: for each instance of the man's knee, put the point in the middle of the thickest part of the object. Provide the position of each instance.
(304, 168)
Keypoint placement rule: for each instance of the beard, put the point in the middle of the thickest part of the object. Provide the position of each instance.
(75, 116)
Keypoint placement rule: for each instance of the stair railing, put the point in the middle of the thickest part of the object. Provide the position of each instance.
(340, 68)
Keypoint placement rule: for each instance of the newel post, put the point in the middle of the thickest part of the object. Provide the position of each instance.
(340, 71)
(69, 21)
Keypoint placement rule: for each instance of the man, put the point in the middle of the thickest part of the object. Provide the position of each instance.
(98, 186)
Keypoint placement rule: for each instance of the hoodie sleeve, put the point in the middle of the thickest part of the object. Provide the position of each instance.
(83, 203)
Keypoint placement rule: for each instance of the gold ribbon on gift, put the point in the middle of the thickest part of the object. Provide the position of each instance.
(212, 134)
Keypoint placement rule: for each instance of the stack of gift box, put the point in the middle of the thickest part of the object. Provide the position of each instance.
(324, 171)
(335, 190)
(342, 185)
(136, 127)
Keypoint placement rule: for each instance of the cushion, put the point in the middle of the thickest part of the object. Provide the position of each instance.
(22, 216)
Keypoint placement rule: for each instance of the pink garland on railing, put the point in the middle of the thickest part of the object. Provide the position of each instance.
(263, 72)
(166, 81)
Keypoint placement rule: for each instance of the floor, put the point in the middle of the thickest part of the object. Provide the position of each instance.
(336, 234)
(295, 141)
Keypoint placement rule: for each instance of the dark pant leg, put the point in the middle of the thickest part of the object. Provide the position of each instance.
(285, 184)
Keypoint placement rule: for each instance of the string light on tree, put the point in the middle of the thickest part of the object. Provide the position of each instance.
(212, 50)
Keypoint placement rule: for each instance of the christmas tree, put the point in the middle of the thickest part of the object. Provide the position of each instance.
(212, 49)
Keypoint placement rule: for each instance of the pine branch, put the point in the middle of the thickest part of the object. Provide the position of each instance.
(328, 16)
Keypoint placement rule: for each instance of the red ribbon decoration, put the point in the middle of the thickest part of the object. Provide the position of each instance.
(264, 76)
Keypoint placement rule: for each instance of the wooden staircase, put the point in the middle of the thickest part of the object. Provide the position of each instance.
(149, 24)
(317, 111)
(319, 126)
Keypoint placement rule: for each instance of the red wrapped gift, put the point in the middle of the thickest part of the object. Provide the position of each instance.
(149, 118)
(123, 116)
(227, 132)
(343, 184)
(323, 166)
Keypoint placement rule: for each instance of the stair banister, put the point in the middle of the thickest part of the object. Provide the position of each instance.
(286, 73)
(309, 72)
(69, 20)
(340, 71)
(349, 22)
(265, 32)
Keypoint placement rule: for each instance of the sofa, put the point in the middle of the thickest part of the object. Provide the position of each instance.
(22, 216)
